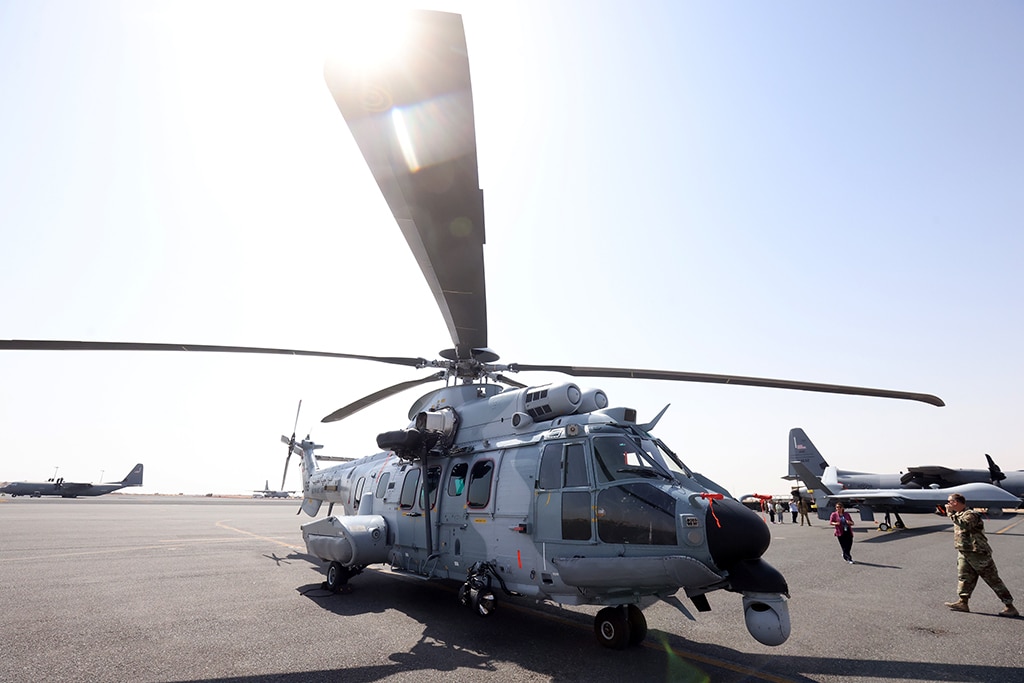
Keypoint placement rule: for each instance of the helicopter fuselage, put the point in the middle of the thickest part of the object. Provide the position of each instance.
(558, 504)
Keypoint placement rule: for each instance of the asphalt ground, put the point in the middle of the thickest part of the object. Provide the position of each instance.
(140, 588)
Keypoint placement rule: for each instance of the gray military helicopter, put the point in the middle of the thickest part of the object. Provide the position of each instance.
(545, 491)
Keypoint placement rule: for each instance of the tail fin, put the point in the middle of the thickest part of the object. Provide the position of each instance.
(816, 486)
(802, 450)
(994, 473)
(134, 478)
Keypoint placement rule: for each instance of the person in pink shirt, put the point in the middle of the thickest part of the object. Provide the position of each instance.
(843, 523)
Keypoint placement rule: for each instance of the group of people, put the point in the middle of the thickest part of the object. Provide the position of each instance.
(797, 507)
(974, 554)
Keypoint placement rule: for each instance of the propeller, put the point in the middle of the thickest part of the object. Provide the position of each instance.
(413, 122)
(366, 401)
(291, 444)
(49, 345)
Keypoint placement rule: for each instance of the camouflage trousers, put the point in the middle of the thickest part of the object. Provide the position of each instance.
(970, 566)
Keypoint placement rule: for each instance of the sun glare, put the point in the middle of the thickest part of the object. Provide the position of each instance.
(371, 38)
(404, 140)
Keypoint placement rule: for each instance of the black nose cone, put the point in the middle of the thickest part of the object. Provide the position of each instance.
(735, 533)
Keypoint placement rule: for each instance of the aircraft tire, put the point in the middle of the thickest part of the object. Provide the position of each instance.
(995, 513)
(637, 624)
(464, 598)
(483, 601)
(884, 527)
(337, 576)
(611, 626)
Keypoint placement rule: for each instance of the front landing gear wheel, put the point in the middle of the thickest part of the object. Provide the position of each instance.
(611, 626)
(637, 624)
(483, 601)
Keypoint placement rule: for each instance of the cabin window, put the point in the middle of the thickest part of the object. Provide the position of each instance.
(563, 465)
(457, 479)
(550, 467)
(409, 486)
(359, 488)
(637, 514)
(575, 466)
(480, 484)
(382, 485)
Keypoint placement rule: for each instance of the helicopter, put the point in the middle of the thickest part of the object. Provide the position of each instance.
(545, 492)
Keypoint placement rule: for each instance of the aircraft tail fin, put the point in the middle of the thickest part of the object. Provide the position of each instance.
(994, 473)
(133, 478)
(802, 450)
(819, 488)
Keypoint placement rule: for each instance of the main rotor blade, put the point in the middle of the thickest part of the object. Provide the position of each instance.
(413, 121)
(366, 401)
(49, 345)
(634, 373)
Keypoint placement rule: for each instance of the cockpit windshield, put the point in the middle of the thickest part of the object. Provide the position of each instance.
(622, 456)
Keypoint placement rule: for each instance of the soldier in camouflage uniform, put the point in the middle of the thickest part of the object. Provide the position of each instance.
(975, 557)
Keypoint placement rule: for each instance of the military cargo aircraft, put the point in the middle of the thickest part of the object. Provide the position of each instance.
(70, 489)
(802, 450)
(267, 492)
(829, 488)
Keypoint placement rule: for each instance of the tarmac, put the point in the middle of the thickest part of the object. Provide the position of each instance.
(160, 588)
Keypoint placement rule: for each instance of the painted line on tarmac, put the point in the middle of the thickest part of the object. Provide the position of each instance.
(268, 539)
(1010, 526)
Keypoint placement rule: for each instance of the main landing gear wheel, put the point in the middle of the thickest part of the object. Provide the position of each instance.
(337, 577)
(884, 527)
(612, 628)
(637, 624)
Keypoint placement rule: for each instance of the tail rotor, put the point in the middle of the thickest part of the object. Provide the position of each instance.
(291, 444)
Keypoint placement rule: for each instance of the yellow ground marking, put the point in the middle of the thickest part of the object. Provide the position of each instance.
(268, 539)
(1010, 526)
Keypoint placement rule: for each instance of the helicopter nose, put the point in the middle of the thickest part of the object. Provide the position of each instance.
(735, 533)
(737, 538)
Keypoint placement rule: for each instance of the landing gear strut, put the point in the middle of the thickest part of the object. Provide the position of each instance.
(620, 626)
(887, 524)
(477, 593)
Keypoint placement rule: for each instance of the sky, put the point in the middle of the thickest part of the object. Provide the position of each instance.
(826, 192)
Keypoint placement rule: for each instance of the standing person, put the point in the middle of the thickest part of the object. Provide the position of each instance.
(780, 512)
(843, 523)
(771, 510)
(974, 557)
(793, 509)
(804, 508)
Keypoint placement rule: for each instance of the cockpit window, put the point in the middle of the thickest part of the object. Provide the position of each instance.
(621, 457)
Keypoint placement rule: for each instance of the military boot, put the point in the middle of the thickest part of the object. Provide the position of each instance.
(1009, 611)
(959, 606)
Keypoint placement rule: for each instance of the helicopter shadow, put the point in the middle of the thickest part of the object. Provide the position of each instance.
(554, 643)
